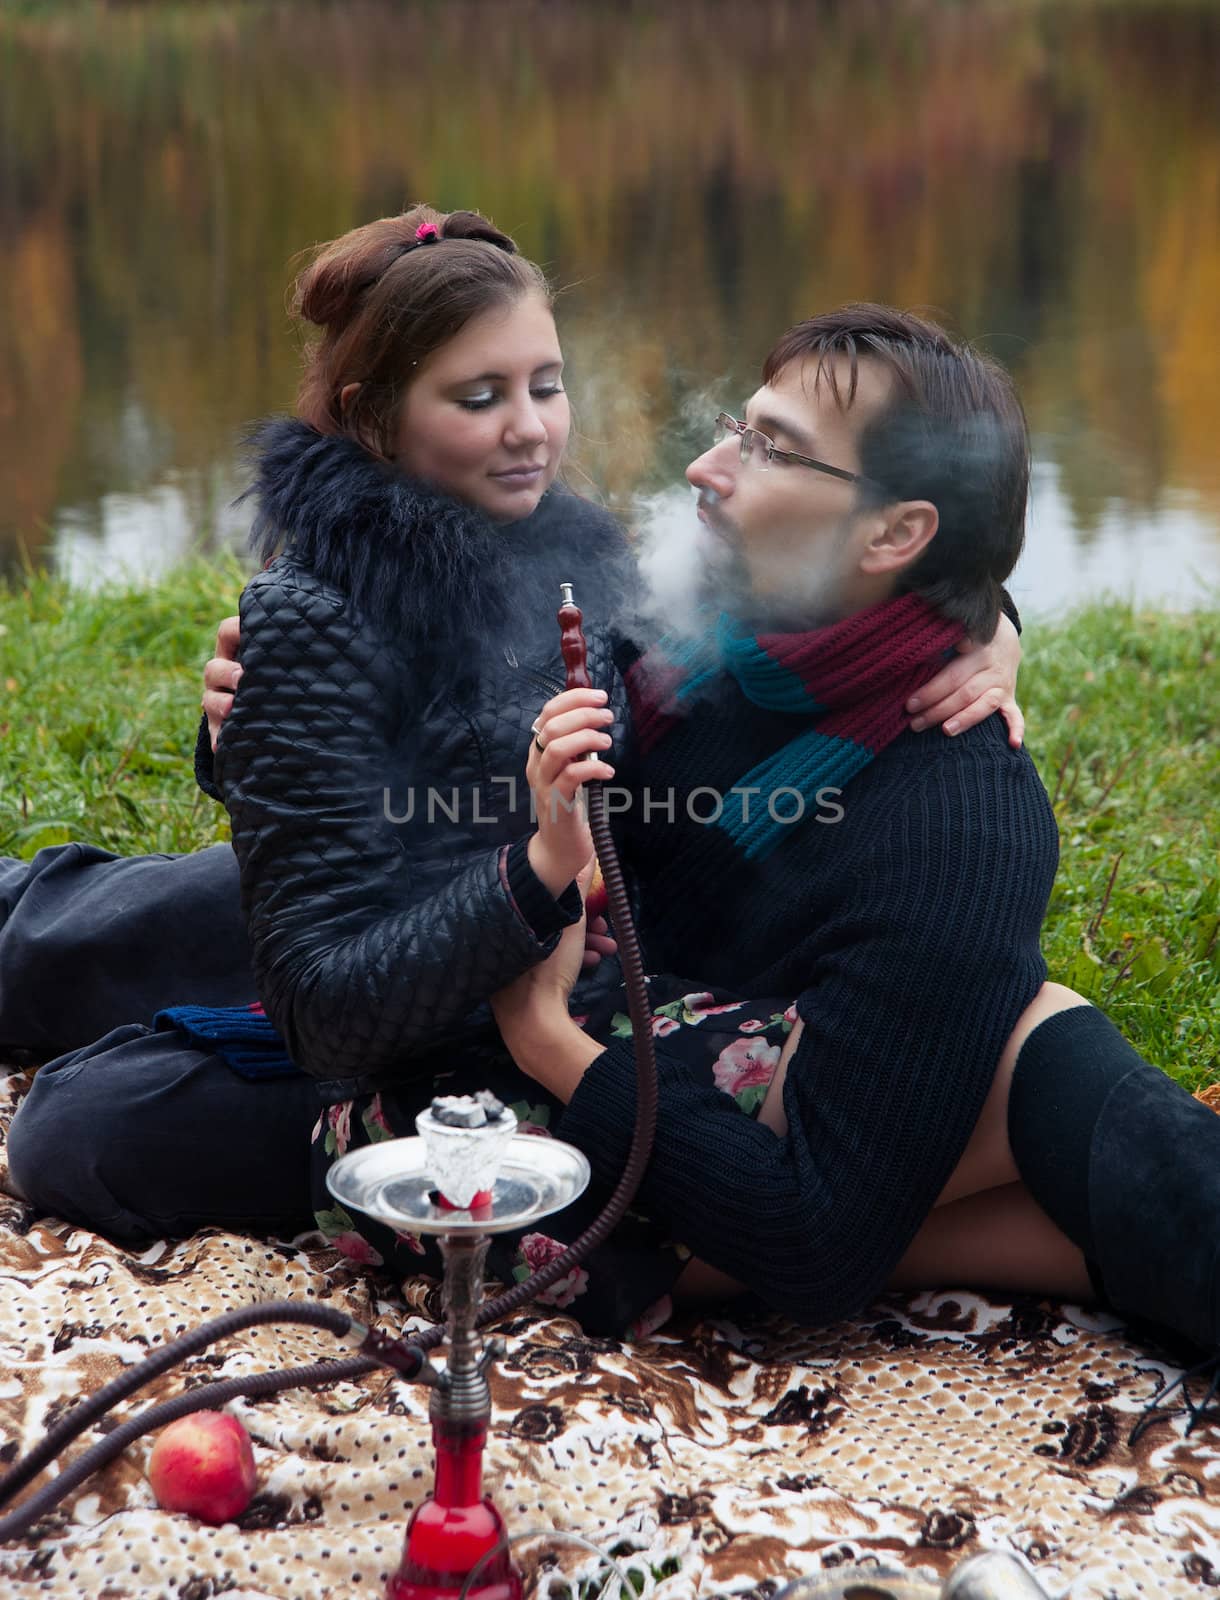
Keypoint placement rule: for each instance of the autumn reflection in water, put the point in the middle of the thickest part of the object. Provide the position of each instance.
(694, 174)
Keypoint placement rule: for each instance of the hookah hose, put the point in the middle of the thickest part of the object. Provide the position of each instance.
(407, 1357)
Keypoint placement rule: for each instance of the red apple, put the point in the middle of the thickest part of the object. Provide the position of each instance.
(204, 1464)
(596, 898)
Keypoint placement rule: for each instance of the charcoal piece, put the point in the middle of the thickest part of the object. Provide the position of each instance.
(458, 1111)
(493, 1108)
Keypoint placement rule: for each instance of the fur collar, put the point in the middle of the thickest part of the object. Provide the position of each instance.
(416, 563)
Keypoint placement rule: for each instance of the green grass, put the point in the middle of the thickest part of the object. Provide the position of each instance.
(1123, 712)
(99, 700)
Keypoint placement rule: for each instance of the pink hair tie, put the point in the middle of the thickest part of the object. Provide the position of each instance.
(427, 233)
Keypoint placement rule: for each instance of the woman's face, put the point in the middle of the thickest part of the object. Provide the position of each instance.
(486, 418)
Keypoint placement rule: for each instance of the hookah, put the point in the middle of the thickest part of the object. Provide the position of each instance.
(466, 1176)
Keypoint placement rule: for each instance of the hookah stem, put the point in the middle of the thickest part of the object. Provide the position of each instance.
(405, 1358)
(575, 655)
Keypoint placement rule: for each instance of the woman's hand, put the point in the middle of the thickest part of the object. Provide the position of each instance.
(221, 677)
(532, 1010)
(569, 727)
(982, 680)
(532, 1014)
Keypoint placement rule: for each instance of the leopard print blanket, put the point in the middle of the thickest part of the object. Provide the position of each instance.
(724, 1455)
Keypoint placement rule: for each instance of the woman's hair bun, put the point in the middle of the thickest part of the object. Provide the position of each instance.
(331, 288)
(470, 225)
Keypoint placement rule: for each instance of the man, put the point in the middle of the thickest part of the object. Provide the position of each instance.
(938, 1103)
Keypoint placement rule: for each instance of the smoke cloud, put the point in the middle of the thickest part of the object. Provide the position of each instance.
(685, 568)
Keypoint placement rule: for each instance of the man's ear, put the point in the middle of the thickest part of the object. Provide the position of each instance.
(906, 532)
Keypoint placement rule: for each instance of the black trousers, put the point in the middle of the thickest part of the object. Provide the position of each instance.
(90, 941)
(140, 1136)
(92, 945)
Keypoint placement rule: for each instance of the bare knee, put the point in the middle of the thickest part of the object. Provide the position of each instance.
(1050, 999)
(987, 1160)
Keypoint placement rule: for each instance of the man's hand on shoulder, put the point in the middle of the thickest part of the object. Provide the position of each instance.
(221, 677)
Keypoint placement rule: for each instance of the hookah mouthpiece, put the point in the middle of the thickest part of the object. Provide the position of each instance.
(466, 1137)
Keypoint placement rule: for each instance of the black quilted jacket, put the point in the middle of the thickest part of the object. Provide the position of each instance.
(373, 764)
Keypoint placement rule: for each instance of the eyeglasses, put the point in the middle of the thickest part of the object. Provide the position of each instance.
(760, 452)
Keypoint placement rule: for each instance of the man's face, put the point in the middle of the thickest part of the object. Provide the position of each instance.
(784, 544)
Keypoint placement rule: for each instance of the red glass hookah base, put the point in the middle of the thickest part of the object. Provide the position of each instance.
(452, 1529)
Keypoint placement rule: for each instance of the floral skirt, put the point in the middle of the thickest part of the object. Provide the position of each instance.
(624, 1287)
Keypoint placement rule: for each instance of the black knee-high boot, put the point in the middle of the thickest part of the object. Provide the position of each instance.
(1127, 1164)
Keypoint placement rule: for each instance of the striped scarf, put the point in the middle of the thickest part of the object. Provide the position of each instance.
(851, 679)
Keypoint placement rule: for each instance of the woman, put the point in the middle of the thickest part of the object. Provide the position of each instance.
(393, 661)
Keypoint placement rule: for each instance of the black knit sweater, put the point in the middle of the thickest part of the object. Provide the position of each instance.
(908, 933)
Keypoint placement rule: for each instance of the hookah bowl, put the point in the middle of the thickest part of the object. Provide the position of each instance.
(495, 1180)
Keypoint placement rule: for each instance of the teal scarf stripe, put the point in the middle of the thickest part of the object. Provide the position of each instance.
(807, 764)
(766, 680)
(691, 652)
(694, 656)
(691, 686)
(763, 679)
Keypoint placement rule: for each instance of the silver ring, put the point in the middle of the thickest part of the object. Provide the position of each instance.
(538, 745)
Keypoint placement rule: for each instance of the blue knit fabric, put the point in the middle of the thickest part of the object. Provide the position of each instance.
(243, 1038)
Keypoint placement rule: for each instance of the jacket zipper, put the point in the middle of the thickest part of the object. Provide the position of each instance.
(551, 685)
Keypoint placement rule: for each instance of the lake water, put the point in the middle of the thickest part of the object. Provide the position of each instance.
(694, 175)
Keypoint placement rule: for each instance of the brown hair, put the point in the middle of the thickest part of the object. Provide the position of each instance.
(384, 302)
(953, 432)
